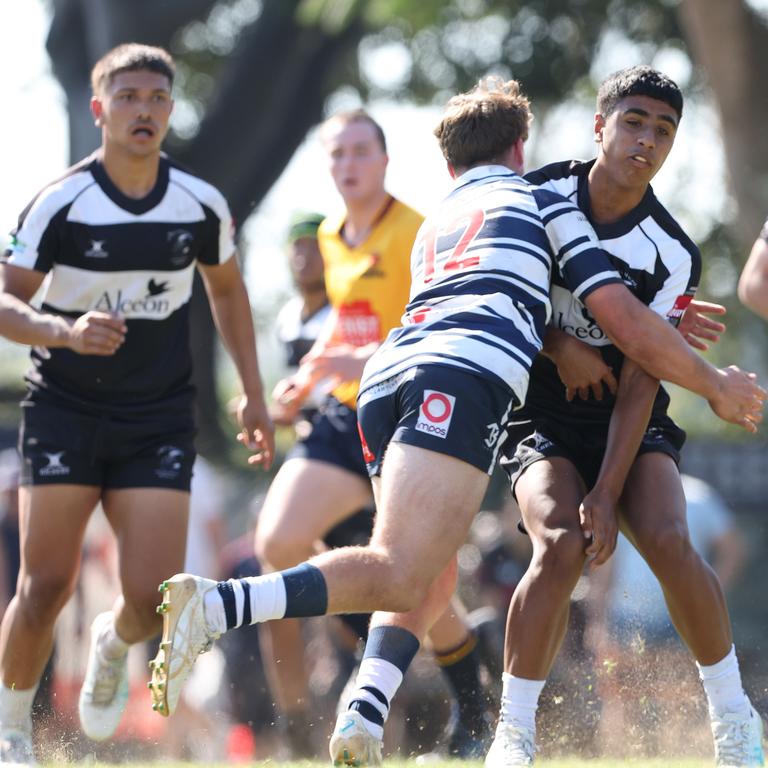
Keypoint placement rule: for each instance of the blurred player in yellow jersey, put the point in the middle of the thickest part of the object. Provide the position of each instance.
(366, 252)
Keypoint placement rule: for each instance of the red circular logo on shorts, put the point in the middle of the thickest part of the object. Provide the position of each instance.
(436, 407)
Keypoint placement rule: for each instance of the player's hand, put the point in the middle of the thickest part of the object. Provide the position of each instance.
(257, 432)
(337, 363)
(582, 369)
(597, 515)
(697, 329)
(740, 400)
(284, 412)
(96, 333)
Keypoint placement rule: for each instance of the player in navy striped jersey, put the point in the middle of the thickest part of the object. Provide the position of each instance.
(624, 448)
(433, 408)
(108, 412)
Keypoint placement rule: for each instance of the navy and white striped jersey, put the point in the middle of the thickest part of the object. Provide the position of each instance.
(136, 258)
(480, 270)
(657, 262)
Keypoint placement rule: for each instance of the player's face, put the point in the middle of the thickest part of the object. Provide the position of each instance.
(133, 111)
(635, 139)
(306, 263)
(357, 160)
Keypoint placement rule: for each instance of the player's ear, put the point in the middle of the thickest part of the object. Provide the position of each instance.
(97, 110)
(599, 125)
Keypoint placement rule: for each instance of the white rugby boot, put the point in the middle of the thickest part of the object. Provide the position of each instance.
(738, 739)
(513, 746)
(185, 637)
(352, 743)
(105, 689)
(16, 748)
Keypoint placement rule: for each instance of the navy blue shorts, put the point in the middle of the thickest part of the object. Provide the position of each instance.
(333, 439)
(62, 445)
(439, 408)
(532, 440)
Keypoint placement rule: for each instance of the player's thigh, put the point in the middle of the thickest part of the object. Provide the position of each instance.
(653, 503)
(52, 522)
(426, 503)
(549, 493)
(150, 525)
(307, 498)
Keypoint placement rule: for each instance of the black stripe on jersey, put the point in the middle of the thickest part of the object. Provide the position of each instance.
(134, 205)
(569, 246)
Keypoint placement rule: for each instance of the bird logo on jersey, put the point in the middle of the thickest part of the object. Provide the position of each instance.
(155, 289)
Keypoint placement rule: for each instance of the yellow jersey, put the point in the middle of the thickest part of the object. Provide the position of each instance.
(368, 285)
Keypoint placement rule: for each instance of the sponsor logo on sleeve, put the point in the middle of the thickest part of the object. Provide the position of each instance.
(368, 454)
(675, 315)
(435, 413)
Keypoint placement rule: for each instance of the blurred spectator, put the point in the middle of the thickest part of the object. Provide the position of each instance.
(650, 692)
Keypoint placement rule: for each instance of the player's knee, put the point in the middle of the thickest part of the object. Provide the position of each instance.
(43, 595)
(667, 544)
(561, 552)
(279, 547)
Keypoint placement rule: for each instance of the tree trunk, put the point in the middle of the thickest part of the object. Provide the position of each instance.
(729, 40)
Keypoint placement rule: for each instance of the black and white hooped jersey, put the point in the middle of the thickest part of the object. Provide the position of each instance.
(135, 258)
(657, 262)
(480, 271)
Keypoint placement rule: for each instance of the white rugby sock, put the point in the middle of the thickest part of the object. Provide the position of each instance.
(266, 598)
(16, 708)
(376, 684)
(722, 684)
(520, 700)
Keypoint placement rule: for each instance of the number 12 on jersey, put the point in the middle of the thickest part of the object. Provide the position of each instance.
(461, 230)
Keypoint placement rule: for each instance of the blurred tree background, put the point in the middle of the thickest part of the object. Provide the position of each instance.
(254, 76)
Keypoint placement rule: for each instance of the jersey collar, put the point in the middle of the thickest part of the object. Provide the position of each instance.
(130, 204)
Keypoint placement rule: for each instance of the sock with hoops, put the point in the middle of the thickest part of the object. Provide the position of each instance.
(520, 700)
(16, 708)
(722, 684)
(460, 665)
(289, 594)
(388, 654)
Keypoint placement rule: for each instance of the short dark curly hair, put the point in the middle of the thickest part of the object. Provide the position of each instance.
(640, 80)
(131, 57)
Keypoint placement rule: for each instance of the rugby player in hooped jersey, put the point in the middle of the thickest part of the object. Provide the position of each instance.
(624, 449)
(108, 413)
(434, 403)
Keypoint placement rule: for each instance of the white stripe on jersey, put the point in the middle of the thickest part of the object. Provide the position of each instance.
(23, 248)
(134, 294)
(210, 196)
(95, 208)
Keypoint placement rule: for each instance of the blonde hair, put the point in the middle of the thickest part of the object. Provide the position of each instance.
(481, 125)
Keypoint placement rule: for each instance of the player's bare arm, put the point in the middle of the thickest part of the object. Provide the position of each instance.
(94, 333)
(580, 366)
(753, 283)
(644, 336)
(629, 421)
(232, 314)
